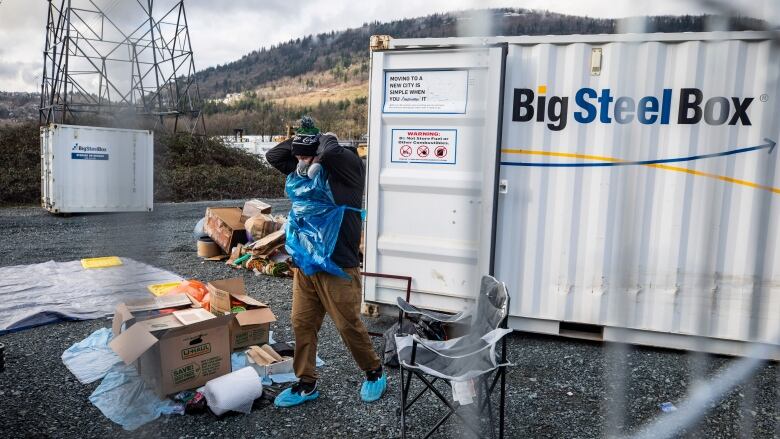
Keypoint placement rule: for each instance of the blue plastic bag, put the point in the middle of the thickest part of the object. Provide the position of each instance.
(124, 398)
(90, 359)
(313, 224)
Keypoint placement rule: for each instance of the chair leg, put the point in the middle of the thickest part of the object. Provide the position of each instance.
(438, 424)
(402, 396)
(422, 392)
(446, 402)
(488, 401)
(502, 403)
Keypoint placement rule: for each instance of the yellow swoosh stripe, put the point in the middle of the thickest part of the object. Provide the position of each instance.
(659, 166)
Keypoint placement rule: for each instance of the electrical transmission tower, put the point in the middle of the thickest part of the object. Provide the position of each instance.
(125, 62)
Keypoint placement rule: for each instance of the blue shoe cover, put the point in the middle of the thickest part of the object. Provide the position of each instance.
(289, 399)
(373, 390)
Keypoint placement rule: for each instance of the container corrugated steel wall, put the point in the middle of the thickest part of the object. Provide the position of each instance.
(681, 248)
(92, 169)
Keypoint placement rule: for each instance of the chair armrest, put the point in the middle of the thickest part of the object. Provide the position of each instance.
(461, 346)
(407, 308)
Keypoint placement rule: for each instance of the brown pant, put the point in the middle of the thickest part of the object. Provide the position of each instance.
(321, 293)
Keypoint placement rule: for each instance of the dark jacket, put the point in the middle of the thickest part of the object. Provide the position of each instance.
(346, 175)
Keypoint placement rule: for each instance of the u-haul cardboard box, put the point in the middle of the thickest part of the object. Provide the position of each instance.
(248, 327)
(173, 352)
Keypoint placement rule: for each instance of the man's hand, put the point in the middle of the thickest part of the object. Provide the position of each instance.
(321, 147)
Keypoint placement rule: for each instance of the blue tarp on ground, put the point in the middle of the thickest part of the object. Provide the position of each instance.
(38, 294)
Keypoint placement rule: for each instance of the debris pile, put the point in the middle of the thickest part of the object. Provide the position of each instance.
(250, 238)
(188, 348)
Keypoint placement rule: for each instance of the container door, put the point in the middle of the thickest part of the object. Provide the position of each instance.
(46, 164)
(432, 163)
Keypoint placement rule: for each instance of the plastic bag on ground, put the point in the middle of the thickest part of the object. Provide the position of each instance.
(313, 224)
(124, 398)
(90, 359)
(199, 232)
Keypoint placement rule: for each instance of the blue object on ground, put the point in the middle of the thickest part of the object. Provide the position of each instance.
(238, 361)
(124, 398)
(667, 407)
(313, 224)
(371, 391)
(90, 359)
(289, 399)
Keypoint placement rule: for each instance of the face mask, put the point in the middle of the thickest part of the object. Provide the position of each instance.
(302, 169)
(313, 170)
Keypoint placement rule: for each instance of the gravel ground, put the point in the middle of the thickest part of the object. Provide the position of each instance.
(558, 388)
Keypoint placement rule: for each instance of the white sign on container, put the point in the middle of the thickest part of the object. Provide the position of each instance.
(429, 146)
(431, 91)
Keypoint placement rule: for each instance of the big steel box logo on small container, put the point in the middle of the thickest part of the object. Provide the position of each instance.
(88, 152)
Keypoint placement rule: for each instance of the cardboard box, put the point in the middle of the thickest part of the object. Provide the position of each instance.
(260, 226)
(248, 327)
(255, 207)
(170, 355)
(225, 227)
(265, 366)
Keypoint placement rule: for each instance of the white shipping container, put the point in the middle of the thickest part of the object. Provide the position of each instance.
(623, 186)
(92, 169)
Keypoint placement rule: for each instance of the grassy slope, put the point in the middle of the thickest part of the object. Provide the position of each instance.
(309, 89)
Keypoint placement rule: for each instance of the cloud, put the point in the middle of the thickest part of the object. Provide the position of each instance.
(223, 31)
(23, 76)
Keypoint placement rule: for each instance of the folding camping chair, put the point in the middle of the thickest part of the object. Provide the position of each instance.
(470, 359)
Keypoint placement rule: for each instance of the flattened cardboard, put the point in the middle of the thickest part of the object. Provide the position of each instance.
(266, 244)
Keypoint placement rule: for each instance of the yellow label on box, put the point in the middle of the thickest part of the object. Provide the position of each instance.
(108, 261)
(160, 289)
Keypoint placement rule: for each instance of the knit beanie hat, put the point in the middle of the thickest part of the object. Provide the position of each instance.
(307, 138)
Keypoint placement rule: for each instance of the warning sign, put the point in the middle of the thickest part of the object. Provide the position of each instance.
(424, 146)
(426, 91)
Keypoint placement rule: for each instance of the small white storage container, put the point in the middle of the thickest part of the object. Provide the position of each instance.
(93, 169)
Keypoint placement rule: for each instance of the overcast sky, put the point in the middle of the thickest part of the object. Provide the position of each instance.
(222, 31)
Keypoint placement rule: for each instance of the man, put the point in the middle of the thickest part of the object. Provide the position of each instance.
(322, 292)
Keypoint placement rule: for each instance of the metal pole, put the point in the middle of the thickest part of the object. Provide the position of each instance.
(66, 49)
(154, 57)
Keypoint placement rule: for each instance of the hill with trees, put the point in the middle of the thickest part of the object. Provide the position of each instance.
(341, 50)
